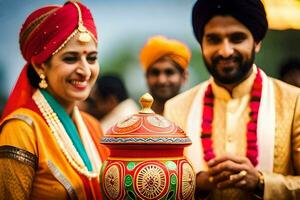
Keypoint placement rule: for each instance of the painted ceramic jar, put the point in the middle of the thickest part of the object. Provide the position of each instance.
(146, 160)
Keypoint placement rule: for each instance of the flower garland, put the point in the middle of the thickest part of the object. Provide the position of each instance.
(207, 119)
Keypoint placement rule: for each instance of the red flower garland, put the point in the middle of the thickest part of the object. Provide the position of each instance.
(207, 118)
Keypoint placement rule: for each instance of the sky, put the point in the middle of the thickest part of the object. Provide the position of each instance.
(118, 22)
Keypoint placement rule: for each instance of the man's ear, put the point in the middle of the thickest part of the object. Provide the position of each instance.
(185, 76)
(257, 47)
(39, 68)
(111, 102)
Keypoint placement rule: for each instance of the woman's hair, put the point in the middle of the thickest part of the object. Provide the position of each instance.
(33, 77)
(111, 85)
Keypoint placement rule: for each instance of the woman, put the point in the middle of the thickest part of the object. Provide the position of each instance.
(48, 149)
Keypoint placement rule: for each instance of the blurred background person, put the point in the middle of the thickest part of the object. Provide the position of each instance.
(165, 63)
(109, 101)
(50, 150)
(290, 71)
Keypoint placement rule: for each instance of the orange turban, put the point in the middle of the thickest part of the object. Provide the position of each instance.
(160, 46)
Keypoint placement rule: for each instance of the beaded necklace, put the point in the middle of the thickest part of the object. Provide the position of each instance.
(207, 119)
(61, 135)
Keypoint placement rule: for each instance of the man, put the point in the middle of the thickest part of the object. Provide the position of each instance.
(290, 71)
(109, 101)
(244, 125)
(165, 63)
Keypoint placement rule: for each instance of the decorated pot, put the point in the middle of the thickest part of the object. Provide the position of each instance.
(146, 159)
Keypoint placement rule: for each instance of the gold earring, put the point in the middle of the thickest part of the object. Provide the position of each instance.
(43, 83)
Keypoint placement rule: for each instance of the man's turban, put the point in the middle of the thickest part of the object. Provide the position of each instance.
(159, 46)
(49, 27)
(251, 13)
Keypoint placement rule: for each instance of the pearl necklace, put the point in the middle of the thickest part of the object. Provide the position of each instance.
(61, 135)
(207, 118)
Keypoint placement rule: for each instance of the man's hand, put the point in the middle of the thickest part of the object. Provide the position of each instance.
(203, 185)
(233, 171)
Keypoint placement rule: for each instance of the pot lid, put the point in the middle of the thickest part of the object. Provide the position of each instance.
(145, 127)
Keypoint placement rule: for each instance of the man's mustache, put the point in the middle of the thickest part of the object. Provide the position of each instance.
(219, 59)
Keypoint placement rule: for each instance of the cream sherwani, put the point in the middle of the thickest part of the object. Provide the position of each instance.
(278, 132)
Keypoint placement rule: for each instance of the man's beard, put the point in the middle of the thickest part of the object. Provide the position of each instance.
(229, 76)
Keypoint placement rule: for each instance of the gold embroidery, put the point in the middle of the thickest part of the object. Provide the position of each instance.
(24, 118)
(63, 180)
(16, 179)
(21, 117)
(21, 155)
(65, 42)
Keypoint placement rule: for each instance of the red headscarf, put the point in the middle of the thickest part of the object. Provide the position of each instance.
(45, 31)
